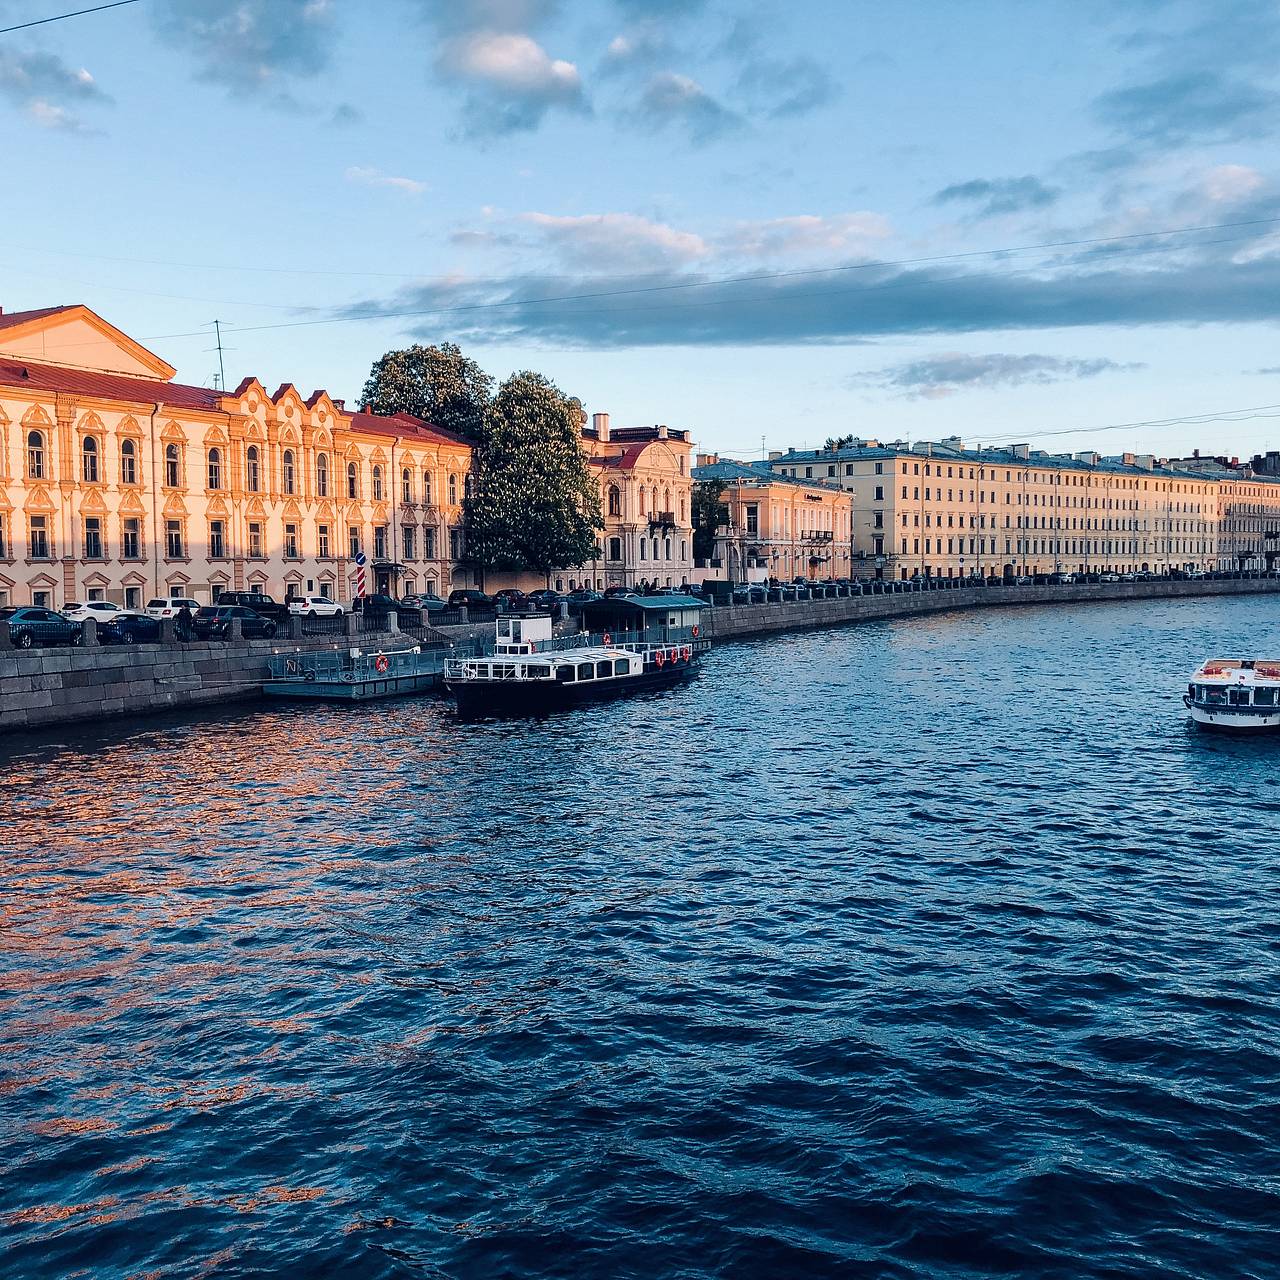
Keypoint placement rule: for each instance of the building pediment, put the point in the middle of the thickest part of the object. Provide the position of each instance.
(78, 338)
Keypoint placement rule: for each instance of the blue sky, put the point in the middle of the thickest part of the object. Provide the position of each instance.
(332, 179)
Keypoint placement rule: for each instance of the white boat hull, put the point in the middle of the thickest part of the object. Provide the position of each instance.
(1230, 720)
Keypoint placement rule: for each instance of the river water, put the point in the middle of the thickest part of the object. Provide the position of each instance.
(933, 948)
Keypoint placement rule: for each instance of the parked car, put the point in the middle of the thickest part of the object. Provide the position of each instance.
(127, 627)
(379, 606)
(258, 602)
(427, 602)
(509, 599)
(583, 595)
(470, 597)
(98, 610)
(170, 606)
(213, 622)
(545, 600)
(314, 607)
(31, 626)
(612, 593)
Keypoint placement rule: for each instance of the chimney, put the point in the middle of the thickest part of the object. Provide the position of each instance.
(774, 454)
(600, 421)
(662, 432)
(708, 459)
(1022, 451)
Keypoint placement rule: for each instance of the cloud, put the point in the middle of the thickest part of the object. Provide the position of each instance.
(995, 196)
(345, 114)
(46, 88)
(251, 45)
(369, 177)
(1190, 106)
(670, 99)
(1231, 183)
(842, 233)
(1271, 371)
(846, 307)
(781, 87)
(936, 377)
(616, 241)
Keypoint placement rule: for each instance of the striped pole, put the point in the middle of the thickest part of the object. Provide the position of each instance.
(360, 579)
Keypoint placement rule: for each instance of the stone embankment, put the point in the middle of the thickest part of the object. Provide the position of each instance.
(43, 687)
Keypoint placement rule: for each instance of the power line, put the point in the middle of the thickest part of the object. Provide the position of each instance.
(59, 17)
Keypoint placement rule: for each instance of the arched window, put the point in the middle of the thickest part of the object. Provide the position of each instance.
(469, 485)
(666, 499)
(615, 501)
(644, 500)
(35, 456)
(322, 476)
(406, 480)
(215, 468)
(128, 462)
(89, 459)
(290, 479)
(171, 475)
(252, 469)
(682, 509)
(353, 481)
(377, 484)
(426, 487)
(453, 489)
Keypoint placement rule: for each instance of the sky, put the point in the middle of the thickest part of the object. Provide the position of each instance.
(766, 222)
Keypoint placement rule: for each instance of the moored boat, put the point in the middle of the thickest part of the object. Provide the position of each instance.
(1236, 695)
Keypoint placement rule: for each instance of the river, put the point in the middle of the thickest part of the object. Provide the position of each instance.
(933, 948)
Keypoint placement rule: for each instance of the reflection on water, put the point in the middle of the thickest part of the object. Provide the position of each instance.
(928, 948)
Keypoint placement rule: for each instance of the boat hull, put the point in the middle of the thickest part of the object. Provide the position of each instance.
(1230, 720)
(481, 698)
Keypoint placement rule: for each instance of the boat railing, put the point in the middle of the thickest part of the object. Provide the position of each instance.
(648, 637)
(354, 665)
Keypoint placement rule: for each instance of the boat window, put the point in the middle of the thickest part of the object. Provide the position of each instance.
(537, 673)
(604, 670)
(1215, 694)
(1264, 697)
(621, 667)
(586, 670)
(482, 670)
(565, 674)
(507, 671)
(1238, 697)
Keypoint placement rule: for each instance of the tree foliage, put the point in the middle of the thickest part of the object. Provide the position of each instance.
(709, 513)
(535, 505)
(840, 442)
(438, 384)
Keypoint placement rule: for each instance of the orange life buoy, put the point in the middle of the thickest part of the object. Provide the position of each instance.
(674, 655)
(659, 657)
(695, 632)
(684, 653)
(382, 662)
(608, 639)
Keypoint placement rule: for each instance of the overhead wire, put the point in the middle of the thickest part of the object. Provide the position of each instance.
(61, 17)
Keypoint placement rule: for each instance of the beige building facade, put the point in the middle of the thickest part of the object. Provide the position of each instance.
(118, 483)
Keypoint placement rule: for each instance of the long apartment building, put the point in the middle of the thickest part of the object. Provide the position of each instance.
(118, 483)
(940, 510)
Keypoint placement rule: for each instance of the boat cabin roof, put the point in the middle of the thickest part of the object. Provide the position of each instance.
(1237, 670)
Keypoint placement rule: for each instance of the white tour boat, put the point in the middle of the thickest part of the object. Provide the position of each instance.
(1236, 695)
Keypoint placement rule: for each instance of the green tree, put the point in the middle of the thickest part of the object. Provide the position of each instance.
(709, 513)
(535, 504)
(439, 384)
(840, 442)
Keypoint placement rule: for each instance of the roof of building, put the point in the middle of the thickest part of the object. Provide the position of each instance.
(8, 319)
(402, 425)
(106, 386)
(647, 604)
(729, 469)
(624, 461)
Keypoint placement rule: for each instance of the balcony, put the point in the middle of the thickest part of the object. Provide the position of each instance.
(662, 520)
(818, 536)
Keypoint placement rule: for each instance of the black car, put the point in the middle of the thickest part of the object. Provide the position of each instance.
(379, 606)
(470, 597)
(583, 595)
(261, 604)
(612, 593)
(509, 599)
(545, 600)
(130, 628)
(213, 622)
(31, 626)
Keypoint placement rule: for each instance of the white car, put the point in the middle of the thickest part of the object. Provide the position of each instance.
(315, 607)
(170, 606)
(98, 610)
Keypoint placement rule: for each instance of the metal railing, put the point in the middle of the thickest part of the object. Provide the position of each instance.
(351, 667)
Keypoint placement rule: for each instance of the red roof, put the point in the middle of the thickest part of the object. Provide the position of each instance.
(626, 460)
(22, 317)
(105, 386)
(403, 425)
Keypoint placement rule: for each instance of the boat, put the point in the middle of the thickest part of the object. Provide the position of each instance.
(353, 675)
(1236, 695)
(532, 671)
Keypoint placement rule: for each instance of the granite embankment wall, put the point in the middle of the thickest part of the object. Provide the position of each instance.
(43, 687)
(738, 621)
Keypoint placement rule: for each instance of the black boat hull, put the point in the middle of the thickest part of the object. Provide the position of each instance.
(537, 697)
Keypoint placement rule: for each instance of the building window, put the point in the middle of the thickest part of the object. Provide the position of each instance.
(253, 469)
(171, 466)
(455, 544)
(173, 539)
(353, 541)
(643, 547)
(92, 538)
(215, 468)
(377, 484)
(35, 456)
(426, 487)
(453, 490)
(40, 549)
(291, 542)
(4, 546)
(380, 542)
(879, 493)
(128, 462)
(132, 597)
(322, 537)
(353, 481)
(89, 460)
(290, 475)
(615, 548)
(406, 485)
(615, 501)
(131, 544)
(322, 476)
(217, 540)
(255, 539)
(468, 485)
(408, 540)
(753, 519)
(429, 544)
(666, 548)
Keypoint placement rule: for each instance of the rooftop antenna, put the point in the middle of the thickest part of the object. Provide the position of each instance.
(222, 372)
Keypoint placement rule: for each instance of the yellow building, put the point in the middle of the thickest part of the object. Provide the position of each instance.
(118, 483)
(779, 526)
(941, 510)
